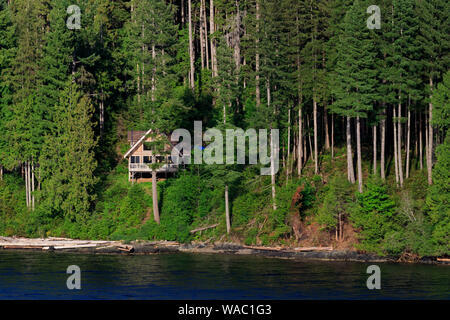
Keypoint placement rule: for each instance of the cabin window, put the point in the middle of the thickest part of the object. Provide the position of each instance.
(160, 159)
(147, 146)
(135, 159)
(147, 159)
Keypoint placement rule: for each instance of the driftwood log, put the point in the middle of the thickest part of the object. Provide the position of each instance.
(304, 249)
(204, 228)
(60, 244)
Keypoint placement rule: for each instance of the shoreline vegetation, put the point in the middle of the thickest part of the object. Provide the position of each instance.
(66, 245)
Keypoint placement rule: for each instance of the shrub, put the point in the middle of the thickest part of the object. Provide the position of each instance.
(336, 199)
(374, 216)
(438, 199)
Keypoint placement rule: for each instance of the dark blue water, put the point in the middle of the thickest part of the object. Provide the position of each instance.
(34, 275)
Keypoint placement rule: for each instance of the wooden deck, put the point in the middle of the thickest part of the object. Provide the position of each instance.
(142, 167)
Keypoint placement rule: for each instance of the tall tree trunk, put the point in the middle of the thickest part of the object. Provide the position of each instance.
(154, 72)
(294, 150)
(224, 113)
(358, 150)
(430, 138)
(350, 171)
(416, 140)
(138, 83)
(237, 38)
(182, 13)
(272, 171)
(1, 172)
(39, 178)
(420, 142)
(305, 151)
(309, 138)
(374, 150)
(202, 44)
(300, 142)
(408, 141)
(205, 26)
(26, 184)
(288, 146)
(332, 136)
(399, 144)
(227, 211)
(327, 135)
(212, 29)
(102, 113)
(394, 123)
(257, 62)
(316, 158)
(191, 47)
(336, 230)
(143, 62)
(155, 193)
(29, 182)
(383, 147)
(32, 186)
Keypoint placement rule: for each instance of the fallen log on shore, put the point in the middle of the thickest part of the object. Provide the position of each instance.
(204, 228)
(52, 243)
(156, 247)
(77, 246)
(263, 248)
(306, 249)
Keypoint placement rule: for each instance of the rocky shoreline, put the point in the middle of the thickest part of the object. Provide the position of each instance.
(155, 247)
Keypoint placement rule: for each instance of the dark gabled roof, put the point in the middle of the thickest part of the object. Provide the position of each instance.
(138, 142)
(134, 136)
(135, 145)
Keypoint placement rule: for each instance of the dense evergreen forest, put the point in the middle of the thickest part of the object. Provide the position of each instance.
(362, 109)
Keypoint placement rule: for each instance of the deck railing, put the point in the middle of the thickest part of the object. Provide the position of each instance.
(170, 167)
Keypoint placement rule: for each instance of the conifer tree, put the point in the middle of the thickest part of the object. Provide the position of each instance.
(67, 160)
(57, 56)
(7, 54)
(438, 194)
(435, 44)
(356, 78)
(29, 20)
(403, 69)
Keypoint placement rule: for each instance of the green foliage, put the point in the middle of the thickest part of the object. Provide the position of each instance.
(68, 151)
(277, 224)
(180, 201)
(441, 104)
(337, 199)
(355, 67)
(245, 207)
(67, 98)
(13, 213)
(120, 208)
(438, 198)
(374, 215)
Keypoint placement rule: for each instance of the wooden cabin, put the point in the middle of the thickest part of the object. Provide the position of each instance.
(140, 157)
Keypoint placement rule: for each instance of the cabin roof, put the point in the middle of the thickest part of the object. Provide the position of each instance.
(134, 136)
(138, 143)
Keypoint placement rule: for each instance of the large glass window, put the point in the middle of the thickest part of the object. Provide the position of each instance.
(147, 159)
(135, 159)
